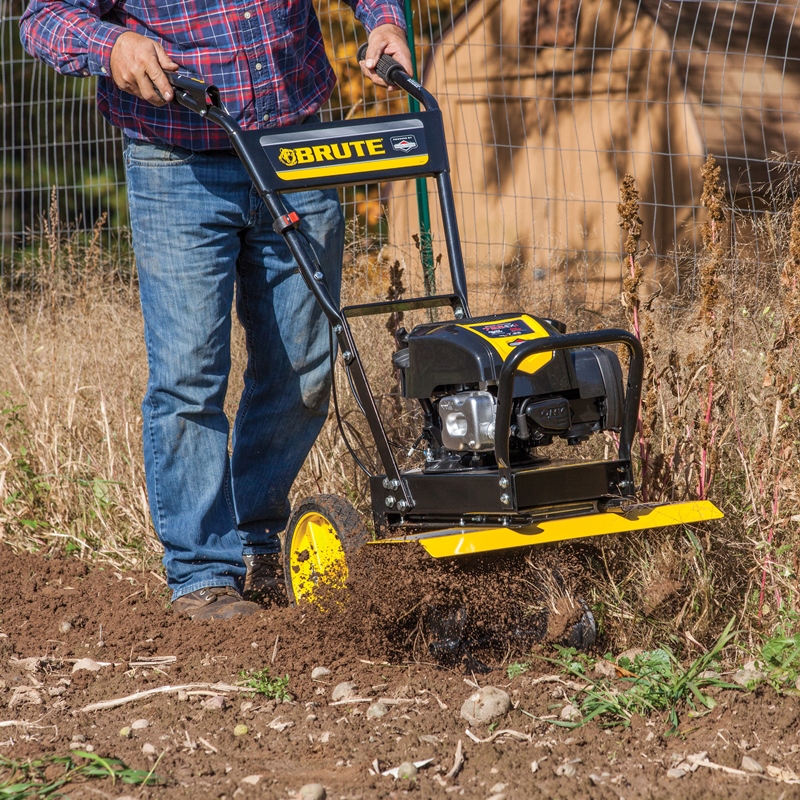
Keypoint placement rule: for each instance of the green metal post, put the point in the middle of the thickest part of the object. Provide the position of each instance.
(423, 207)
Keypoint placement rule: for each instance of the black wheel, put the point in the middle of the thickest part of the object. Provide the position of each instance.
(323, 531)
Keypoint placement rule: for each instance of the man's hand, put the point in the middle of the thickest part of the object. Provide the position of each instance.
(138, 65)
(391, 41)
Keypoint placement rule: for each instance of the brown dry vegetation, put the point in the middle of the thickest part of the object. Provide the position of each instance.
(720, 420)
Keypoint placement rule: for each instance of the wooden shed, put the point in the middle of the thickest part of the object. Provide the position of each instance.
(548, 103)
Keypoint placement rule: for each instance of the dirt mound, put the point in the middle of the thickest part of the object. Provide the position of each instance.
(55, 612)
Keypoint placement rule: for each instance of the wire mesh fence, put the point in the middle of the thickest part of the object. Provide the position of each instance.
(547, 105)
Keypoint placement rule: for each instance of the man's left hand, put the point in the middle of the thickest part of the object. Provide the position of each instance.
(387, 40)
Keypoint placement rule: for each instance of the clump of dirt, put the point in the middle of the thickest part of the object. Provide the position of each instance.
(403, 604)
(658, 593)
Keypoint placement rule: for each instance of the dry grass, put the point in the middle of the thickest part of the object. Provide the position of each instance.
(720, 420)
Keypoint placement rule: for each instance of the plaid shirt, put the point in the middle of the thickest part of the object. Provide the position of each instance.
(266, 56)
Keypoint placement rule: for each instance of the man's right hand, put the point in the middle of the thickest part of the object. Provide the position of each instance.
(138, 65)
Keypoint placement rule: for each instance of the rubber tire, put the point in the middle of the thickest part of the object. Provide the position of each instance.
(345, 522)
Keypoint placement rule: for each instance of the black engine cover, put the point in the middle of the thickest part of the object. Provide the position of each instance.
(450, 354)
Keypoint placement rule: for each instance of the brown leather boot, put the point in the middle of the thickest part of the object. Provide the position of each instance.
(214, 602)
(265, 582)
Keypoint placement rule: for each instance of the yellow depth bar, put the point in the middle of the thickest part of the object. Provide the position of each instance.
(352, 168)
(465, 541)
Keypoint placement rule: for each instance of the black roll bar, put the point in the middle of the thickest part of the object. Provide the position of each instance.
(570, 341)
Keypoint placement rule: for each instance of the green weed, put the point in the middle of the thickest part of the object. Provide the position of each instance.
(28, 779)
(261, 682)
(780, 658)
(516, 669)
(653, 681)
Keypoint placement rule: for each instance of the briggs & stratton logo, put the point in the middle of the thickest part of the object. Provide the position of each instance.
(404, 143)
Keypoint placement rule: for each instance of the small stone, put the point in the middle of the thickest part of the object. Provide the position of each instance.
(605, 669)
(630, 654)
(747, 676)
(65, 626)
(251, 780)
(534, 766)
(215, 703)
(710, 675)
(566, 771)
(78, 737)
(344, 691)
(407, 771)
(241, 730)
(498, 788)
(25, 695)
(73, 745)
(139, 724)
(570, 713)
(317, 674)
(312, 791)
(485, 705)
(377, 710)
(88, 664)
(676, 772)
(125, 732)
(89, 748)
(751, 765)
(311, 718)
(148, 749)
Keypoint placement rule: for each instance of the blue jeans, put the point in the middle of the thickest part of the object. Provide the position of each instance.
(199, 230)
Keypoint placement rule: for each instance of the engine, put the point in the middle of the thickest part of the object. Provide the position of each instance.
(453, 368)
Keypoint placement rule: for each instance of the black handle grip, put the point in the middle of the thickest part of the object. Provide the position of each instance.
(194, 93)
(386, 65)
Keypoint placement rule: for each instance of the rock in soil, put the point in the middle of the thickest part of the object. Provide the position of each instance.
(344, 691)
(139, 724)
(570, 713)
(747, 676)
(675, 772)
(406, 771)
(377, 710)
(312, 791)
(317, 674)
(751, 765)
(485, 705)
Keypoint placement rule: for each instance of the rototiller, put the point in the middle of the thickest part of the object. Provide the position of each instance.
(494, 391)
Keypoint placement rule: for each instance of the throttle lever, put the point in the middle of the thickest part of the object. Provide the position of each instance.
(193, 93)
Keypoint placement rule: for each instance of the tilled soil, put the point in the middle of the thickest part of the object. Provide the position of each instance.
(55, 611)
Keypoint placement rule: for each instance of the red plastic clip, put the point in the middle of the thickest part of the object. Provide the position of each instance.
(283, 223)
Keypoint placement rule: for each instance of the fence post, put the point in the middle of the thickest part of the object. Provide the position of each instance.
(423, 208)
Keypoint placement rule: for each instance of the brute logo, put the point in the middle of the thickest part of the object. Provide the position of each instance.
(286, 156)
(341, 151)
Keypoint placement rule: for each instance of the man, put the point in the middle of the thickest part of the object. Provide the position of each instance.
(199, 230)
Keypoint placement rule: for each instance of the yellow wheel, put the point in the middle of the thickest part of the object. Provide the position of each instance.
(322, 532)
